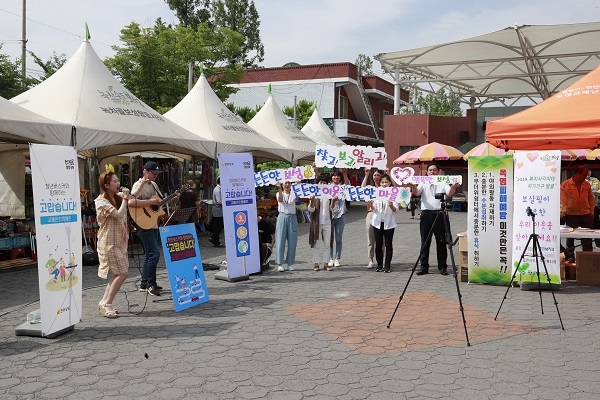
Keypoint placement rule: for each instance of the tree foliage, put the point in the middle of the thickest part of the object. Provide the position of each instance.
(304, 110)
(364, 64)
(51, 66)
(238, 15)
(245, 113)
(11, 80)
(153, 62)
(440, 103)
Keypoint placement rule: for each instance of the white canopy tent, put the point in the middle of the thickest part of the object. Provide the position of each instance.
(202, 112)
(104, 115)
(317, 130)
(271, 122)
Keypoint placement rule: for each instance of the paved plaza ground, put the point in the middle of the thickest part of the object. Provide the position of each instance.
(311, 335)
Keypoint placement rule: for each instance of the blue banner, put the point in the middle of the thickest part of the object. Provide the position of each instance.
(184, 265)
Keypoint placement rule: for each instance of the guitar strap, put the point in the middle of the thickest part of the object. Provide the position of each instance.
(159, 194)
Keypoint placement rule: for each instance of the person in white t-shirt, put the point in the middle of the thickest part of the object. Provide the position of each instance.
(384, 224)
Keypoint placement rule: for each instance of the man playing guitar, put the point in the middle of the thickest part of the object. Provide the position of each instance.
(146, 193)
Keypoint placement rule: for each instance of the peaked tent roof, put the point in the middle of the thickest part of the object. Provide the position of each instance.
(528, 61)
(20, 125)
(84, 94)
(271, 122)
(569, 119)
(202, 112)
(317, 130)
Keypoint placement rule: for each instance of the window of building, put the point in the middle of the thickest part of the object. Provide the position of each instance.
(343, 107)
(383, 114)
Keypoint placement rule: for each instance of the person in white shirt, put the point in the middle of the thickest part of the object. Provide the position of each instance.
(319, 235)
(286, 229)
(430, 208)
(384, 224)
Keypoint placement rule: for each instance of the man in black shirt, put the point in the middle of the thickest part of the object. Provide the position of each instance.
(266, 238)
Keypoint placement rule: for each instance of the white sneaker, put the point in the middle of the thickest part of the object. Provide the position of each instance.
(370, 265)
(330, 263)
(336, 263)
(290, 268)
(280, 269)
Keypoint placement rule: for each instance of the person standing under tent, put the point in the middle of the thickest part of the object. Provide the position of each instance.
(577, 206)
(217, 215)
(369, 180)
(113, 235)
(431, 219)
(146, 193)
(286, 229)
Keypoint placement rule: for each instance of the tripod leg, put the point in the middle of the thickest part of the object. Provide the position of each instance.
(429, 234)
(514, 274)
(454, 272)
(549, 283)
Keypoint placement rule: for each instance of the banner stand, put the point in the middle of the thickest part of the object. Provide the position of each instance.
(223, 276)
(35, 330)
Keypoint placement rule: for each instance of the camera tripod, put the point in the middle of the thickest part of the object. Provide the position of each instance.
(537, 254)
(443, 213)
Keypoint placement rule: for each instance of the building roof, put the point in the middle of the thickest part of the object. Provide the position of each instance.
(528, 61)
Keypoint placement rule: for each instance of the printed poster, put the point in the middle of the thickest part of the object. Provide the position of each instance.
(57, 207)
(489, 222)
(239, 214)
(184, 265)
(537, 193)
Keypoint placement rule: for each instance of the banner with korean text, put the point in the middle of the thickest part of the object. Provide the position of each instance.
(184, 265)
(239, 214)
(489, 222)
(537, 188)
(57, 207)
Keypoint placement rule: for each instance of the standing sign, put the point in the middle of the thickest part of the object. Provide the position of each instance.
(57, 207)
(537, 187)
(184, 265)
(489, 223)
(239, 214)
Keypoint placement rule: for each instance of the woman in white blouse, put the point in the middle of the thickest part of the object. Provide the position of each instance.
(384, 224)
(287, 226)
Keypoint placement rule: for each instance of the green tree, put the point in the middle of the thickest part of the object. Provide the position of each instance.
(440, 103)
(153, 62)
(11, 80)
(238, 15)
(364, 64)
(51, 66)
(304, 110)
(245, 113)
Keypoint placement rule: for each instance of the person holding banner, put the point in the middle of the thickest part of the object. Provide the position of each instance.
(384, 224)
(430, 208)
(286, 229)
(320, 225)
(337, 218)
(113, 235)
(370, 180)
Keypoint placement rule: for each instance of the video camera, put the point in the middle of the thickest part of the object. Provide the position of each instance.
(440, 196)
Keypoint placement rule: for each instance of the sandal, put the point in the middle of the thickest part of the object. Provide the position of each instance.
(100, 305)
(316, 268)
(108, 312)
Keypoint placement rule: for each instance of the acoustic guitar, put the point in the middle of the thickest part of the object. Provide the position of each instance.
(145, 217)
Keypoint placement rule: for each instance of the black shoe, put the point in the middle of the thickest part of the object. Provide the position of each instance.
(143, 287)
(387, 270)
(444, 271)
(423, 271)
(379, 268)
(154, 290)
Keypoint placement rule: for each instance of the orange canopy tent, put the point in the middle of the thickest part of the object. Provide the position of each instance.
(569, 119)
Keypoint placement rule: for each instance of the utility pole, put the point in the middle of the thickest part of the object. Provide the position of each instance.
(24, 42)
(295, 123)
(190, 76)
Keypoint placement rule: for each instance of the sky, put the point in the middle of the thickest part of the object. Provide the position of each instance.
(306, 32)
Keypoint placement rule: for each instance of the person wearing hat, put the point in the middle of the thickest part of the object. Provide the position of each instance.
(143, 190)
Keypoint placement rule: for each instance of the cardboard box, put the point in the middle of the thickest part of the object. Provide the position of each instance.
(463, 266)
(588, 267)
(463, 243)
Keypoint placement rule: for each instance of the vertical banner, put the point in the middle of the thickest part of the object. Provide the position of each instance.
(57, 207)
(239, 214)
(184, 265)
(489, 222)
(537, 188)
